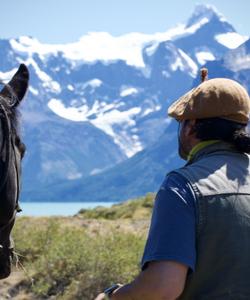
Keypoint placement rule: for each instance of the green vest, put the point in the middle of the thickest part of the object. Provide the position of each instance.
(220, 177)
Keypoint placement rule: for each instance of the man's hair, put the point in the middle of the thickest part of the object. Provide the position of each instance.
(224, 130)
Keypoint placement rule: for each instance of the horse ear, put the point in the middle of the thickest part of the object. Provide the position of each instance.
(17, 86)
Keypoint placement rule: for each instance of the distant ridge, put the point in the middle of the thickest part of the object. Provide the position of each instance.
(95, 120)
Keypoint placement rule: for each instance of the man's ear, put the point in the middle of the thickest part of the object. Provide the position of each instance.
(15, 90)
(192, 127)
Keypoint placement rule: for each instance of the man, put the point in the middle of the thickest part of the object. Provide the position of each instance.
(199, 240)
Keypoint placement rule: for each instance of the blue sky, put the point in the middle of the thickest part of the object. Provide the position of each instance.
(62, 21)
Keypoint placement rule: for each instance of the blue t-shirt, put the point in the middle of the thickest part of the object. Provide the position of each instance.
(172, 230)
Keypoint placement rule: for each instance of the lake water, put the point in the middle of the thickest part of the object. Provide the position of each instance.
(57, 208)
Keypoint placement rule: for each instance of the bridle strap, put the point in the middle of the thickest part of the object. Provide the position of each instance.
(8, 141)
(17, 176)
(7, 144)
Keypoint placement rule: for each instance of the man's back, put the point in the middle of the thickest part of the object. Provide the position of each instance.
(220, 179)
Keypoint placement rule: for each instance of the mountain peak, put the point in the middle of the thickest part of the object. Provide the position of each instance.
(203, 11)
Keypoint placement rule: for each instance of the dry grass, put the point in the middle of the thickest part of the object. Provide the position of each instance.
(76, 257)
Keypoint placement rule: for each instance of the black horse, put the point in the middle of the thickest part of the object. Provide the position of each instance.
(11, 153)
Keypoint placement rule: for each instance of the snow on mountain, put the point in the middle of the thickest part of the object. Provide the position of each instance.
(34, 91)
(99, 101)
(45, 78)
(238, 60)
(130, 144)
(128, 91)
(128, 47)
(215, 36)
(95, 46)
(183, 63)
(205, 11)
(146, 170)
(235, 64)
(204, 56)
(231, 40)
(94, 83)
(5, 76)
(69, 113)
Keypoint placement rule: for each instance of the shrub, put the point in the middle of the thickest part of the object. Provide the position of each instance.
(132, 209)
(71, 262)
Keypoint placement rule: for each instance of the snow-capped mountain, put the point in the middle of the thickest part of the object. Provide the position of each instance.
(145, 171)
(97, 102)
(211, 40)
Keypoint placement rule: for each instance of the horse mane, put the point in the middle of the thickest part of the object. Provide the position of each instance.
(11, 110)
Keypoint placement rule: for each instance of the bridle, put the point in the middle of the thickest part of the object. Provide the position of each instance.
(8, 145)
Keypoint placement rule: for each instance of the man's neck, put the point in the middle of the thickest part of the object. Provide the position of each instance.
(199, 146)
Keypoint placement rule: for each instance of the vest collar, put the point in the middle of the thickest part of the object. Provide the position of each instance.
(208, 147)
(199, 147)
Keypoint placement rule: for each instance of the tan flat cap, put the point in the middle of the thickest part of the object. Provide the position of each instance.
(219, 97)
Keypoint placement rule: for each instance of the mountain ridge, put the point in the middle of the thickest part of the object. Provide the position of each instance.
(95, 104)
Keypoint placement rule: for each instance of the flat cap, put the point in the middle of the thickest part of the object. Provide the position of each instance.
(218, 97)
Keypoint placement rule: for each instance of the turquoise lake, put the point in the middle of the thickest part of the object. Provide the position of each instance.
(57, 208)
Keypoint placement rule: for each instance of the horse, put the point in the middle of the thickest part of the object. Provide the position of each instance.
(11, 153)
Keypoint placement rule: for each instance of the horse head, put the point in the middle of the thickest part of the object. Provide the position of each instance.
(11, 153)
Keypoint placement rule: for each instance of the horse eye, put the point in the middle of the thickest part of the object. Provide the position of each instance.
(21, 146)
(22, 149)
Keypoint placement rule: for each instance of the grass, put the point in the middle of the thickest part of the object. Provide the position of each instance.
(139, 208)
(74, 262)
